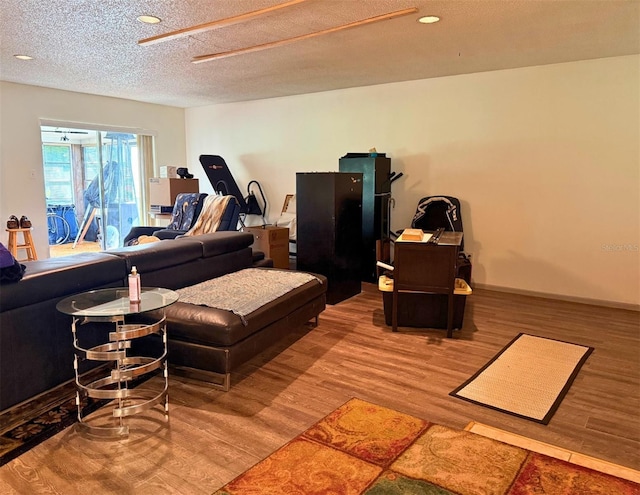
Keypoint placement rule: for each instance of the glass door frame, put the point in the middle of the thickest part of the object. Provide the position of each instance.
(144, 169)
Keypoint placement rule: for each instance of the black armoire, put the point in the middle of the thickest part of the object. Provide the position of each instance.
(376, 193)
(329, 230)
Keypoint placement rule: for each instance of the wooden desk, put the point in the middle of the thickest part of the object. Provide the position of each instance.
(423, 268)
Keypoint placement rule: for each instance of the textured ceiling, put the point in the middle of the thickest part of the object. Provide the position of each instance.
(91, 46)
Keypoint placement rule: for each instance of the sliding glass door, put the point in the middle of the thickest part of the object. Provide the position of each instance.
(94, 186)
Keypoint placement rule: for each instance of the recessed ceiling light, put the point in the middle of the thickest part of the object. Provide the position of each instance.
(23, 57)
(149, 19)
(429, 19)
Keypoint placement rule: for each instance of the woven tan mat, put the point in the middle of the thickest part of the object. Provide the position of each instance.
(528, 378)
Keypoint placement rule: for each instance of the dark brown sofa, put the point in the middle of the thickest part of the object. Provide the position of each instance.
(36, 351)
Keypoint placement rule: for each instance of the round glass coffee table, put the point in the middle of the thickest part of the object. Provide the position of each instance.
(112, 306)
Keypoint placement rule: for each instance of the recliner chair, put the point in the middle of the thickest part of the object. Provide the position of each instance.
(185, 214)
(218, 213)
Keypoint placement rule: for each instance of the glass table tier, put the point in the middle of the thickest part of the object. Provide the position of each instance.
(115, 302)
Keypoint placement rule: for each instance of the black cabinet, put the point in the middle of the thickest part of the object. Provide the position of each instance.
(329, 229)
(376, 193)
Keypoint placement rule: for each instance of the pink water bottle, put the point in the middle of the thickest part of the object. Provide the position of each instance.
(134, 285)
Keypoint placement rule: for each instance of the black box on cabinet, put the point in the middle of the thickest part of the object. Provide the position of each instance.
(329, 229)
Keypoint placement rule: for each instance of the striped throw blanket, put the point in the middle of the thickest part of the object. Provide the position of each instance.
(213, 208)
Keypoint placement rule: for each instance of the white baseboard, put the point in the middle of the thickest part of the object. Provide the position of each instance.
(560, 297)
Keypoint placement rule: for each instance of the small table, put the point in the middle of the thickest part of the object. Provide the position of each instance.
(112, 306)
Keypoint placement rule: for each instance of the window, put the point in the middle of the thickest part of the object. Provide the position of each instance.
(58, 176)
(91, 164)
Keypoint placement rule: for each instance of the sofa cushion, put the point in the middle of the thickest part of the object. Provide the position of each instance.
(57, 277)
(216, 243)
(158, 255)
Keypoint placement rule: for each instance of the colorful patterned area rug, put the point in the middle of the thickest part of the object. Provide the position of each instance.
(362, 448)
(528, 378)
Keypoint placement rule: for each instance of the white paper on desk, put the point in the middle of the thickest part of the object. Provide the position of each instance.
(425, 238)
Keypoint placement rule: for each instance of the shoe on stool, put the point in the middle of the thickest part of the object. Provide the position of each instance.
(13, 223)
(25, 223)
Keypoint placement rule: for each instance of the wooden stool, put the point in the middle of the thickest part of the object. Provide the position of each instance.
(28, 244)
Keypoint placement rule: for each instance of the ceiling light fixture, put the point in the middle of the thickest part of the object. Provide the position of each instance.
(229, 21)
(23, 57)
(384, 17)
(149, 19)
(429, 19)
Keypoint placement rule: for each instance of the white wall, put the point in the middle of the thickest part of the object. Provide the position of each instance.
(22, 107)
(545, 160)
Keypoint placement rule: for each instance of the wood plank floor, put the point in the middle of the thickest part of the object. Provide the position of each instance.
(213, 436)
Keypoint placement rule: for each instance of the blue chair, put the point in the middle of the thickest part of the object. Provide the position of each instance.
(186, 211)
(193, 214)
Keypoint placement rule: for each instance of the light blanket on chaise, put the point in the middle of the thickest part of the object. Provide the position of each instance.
(244, 291)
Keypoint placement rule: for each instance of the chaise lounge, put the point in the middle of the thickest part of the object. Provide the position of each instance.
(185, 215)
